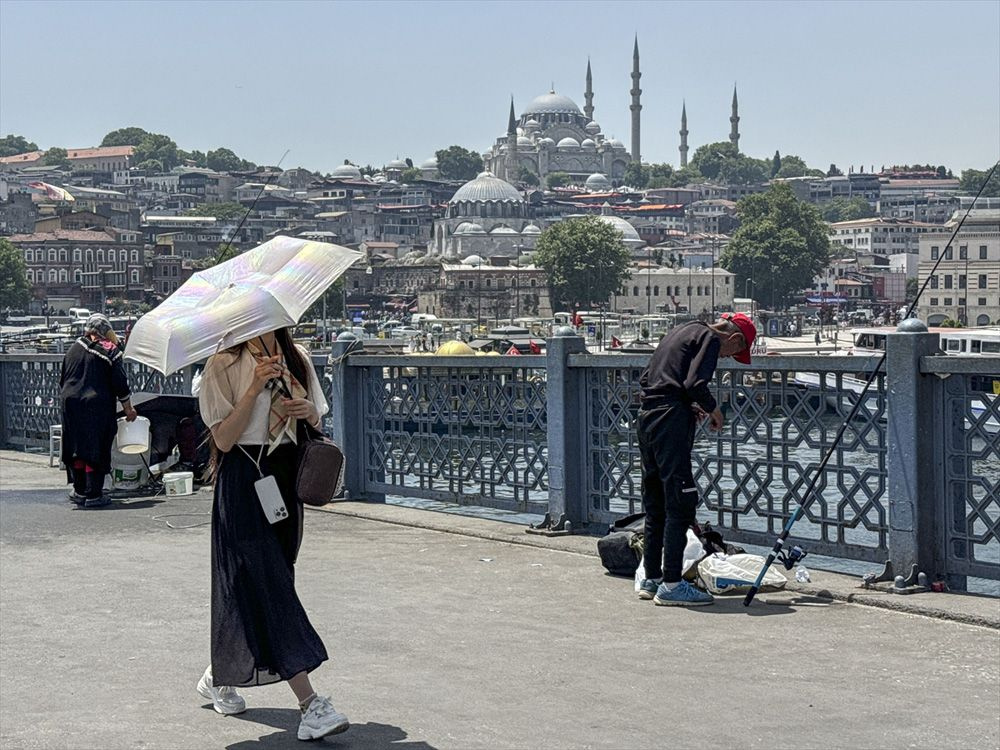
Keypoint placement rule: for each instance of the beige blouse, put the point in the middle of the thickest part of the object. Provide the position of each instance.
(227, 377)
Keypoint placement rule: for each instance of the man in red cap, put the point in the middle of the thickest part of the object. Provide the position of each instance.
(675, 396)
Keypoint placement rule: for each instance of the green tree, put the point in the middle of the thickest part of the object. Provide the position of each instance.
(557, 180)
(224, 160)
(125, 137)
(150, 165)
(782, 243)
(794, 166)
(636, 175)
(709, 159)
(12, 145)
(15, 291)
(409, 162)
(56, 157)
(775, 164)
(411, 174)
(973, 178)
(685, 176)
(457, 163)
(527, 177)
(842, 209)
(660, 175)
(834, 172)
(222, 211)
(743, 170)
(158, 147)
(585, 259)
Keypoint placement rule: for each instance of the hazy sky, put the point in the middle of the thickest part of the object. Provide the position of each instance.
(868, 83)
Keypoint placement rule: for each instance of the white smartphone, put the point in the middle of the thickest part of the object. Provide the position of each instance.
(270, 499)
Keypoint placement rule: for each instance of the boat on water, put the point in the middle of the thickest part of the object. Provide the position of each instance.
(872, 342)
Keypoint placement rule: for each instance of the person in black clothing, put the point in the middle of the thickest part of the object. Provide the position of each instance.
(91, 383)
(675, 397)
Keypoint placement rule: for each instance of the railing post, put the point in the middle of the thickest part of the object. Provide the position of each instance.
(912, 463)
(347, 423)
(566, 432)
(4, 401)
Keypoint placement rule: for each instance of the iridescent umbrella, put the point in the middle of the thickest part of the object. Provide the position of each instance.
(265, 288)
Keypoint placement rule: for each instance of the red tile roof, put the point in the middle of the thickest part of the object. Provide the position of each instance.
(27, 158)
(63, 235)
(102, 151)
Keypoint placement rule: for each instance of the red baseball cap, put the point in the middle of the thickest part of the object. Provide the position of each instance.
(749, 331)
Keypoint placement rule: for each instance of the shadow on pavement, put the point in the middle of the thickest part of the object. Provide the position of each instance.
(764, 605)
(370, 736)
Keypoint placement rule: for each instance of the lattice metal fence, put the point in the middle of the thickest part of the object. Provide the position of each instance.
(779, 423)
(470, 433)
(970, 456)
(31, 394)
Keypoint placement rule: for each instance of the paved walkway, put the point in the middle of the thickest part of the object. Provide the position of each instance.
(441, 640)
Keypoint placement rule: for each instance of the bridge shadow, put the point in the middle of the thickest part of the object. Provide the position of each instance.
(368, 736)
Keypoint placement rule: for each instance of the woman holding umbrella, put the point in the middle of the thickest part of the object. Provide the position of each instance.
(252, 397)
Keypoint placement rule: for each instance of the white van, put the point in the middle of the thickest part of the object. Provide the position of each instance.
(79, 313)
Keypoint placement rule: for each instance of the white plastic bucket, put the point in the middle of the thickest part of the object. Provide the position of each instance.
(128, 470)
(133, 437)
(179, 483)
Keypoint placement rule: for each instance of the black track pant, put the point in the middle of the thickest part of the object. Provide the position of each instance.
(669, 494)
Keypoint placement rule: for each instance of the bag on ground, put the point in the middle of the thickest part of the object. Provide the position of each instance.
(620, 551)
(729, 574)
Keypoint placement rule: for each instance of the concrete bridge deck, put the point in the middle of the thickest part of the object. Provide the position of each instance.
(455, 640)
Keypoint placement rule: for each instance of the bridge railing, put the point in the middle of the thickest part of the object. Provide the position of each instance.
(916, 478)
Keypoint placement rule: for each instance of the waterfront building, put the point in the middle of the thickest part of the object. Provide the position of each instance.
(880, 236)
(696, 291)
(966, 285)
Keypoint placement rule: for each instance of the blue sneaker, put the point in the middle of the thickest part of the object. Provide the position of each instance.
(682, 595)
(647, 588)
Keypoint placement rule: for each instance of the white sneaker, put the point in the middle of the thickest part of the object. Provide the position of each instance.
(321, 720)
(224, 699)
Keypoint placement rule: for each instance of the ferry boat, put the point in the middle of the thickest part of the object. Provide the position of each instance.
(872, 342)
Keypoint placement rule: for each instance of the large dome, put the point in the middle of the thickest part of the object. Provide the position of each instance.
(628, 231)
(568, 142)
(552, 104)
(598, 183)
(348, 171)
(485, 188)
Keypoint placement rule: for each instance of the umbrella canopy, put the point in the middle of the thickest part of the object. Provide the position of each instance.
(265, 288)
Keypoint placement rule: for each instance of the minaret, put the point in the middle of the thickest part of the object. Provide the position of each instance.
(734, 133)
(512, 161)
(588, 95)
(684, 135)
(636, 107)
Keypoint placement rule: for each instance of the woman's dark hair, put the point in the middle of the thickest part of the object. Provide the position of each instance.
(293, 357)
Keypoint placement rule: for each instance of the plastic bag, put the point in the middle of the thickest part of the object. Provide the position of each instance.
(693, 553)
(726, 574)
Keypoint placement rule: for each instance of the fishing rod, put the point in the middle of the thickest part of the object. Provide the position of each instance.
(270, 179)
(792, 556)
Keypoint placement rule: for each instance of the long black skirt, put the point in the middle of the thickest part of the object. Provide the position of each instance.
(260, 631)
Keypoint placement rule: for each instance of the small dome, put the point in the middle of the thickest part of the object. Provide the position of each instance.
(547, 142)
(569, 143)
(593, 128)
(531, 229)
(598, 183)
(628, 231)
(347, 171)
(473, 260)
(522, 141)
(503, 230)
(588, 144)
(615, 143)
(431, 163)
(532, 124)
(454, 349)
(468, 227)
(396, 164)
(552, 103)
(486, 188)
